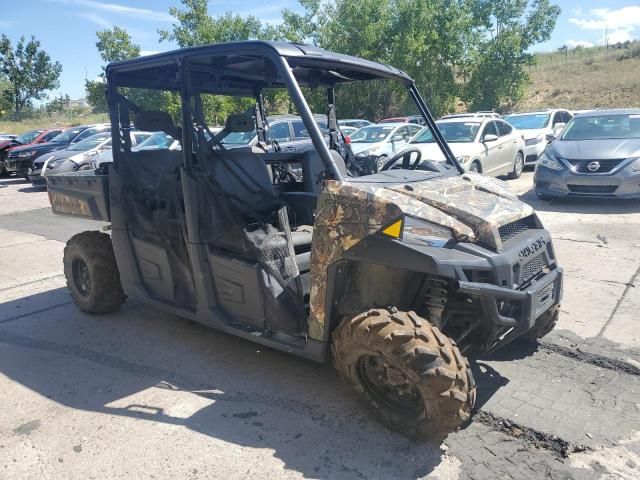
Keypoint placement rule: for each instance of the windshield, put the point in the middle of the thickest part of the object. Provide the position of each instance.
(238, 138)
(28, 137)
(67, 135)
(603, 127)
(529, 121)
(371, 134)
(453, 132)
(157, 141)
(89, 143)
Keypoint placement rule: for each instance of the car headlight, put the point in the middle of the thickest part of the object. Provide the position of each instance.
(463, 158)
(635, 166)
(534, 141)
(419, 232)
(549, 162)
(52, 164)
(27, 154)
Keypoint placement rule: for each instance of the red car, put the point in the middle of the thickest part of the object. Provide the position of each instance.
(28, 138)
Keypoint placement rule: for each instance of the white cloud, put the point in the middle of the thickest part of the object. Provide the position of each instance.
(139, 13)
(625, 18)
(579, 43)
(617, 36)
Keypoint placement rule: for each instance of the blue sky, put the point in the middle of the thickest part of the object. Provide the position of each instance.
(67, 28)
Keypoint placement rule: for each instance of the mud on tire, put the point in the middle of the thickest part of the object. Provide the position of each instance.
(92, 273)
(415, 358)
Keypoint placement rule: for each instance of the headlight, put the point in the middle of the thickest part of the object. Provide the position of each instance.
(27, 154)
(52, 164)
(463, 158)
(77, 158)
(635, 166)
(534, 141)
(549, 162)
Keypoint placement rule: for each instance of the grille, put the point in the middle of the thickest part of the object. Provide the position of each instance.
(545, 297)
(514, 229)
(532, 268)
(596, 189)
(606, 166)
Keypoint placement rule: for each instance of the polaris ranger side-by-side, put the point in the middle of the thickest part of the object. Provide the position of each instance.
(397, 276)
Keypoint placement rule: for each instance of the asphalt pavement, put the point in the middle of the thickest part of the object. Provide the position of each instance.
(144, 394)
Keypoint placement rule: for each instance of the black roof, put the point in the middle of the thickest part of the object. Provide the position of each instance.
(241, 67)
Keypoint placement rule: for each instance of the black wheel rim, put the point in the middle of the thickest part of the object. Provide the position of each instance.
(81, 277)
(388, 385)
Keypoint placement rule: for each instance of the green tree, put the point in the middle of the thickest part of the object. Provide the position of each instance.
(29, 70)
(114, 45)
(506, 30)
(58, 104)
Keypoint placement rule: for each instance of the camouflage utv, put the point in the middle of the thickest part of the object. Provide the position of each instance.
(397, 276)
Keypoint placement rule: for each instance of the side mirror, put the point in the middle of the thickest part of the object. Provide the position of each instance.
(490, 138)
(550, 137)
(558, 127)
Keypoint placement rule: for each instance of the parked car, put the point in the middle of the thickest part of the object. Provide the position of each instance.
(597, 154)
(353, 122)
(20, 159)
(417, 119)
(482, 145)
(31, 137)
(381, 140)
(7, 136)
(79, 156)
(346, 130)
(535, 126)
(288, 130)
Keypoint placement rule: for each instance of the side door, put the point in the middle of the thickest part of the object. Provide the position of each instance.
(509, 142)
(492, 148)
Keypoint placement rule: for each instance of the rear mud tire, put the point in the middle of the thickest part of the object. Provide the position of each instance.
(421, 360)
(92, 273)
(544, 324)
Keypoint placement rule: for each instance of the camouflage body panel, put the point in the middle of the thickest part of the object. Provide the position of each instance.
(472, 206)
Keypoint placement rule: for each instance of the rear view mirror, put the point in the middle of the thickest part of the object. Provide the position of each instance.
(490, 137)
(550, 137)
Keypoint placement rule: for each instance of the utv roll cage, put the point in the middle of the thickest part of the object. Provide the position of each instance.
(247, 69)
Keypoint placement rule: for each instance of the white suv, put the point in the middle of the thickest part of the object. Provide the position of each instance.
(535, 126)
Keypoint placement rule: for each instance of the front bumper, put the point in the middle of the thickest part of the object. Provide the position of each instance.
(622, 184)
(35, 176)
(532, 152)
(19, 166)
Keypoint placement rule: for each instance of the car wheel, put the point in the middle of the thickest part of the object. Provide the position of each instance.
(475, 167)
(518, 166)
(544, 197)
(381, 162)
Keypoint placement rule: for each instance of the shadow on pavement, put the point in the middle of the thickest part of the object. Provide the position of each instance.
(252, 396)
(12, 181)
(33, 188)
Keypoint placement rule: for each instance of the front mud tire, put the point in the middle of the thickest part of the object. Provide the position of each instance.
(544, 324)
(431, 387)
(92, 274)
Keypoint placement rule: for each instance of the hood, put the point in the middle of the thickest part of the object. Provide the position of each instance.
(7, 143)
(431, 151)
(472, 205)
(528, 133)
(360, 147)
(596, 149)
(54, 155)
(46, 147)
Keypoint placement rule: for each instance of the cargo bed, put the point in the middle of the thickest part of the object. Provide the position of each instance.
(80, 194)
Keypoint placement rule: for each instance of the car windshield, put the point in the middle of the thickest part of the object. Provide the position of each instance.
(603, 127)
(529, 121)
(453, 132)
(371, 134)
(238, 138)
(157, 141)
(28, 137)
(67, 135)
(89, 143)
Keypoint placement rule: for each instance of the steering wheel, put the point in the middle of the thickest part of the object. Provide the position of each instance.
(406, 159)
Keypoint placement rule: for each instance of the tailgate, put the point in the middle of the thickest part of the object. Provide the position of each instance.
(81, 194)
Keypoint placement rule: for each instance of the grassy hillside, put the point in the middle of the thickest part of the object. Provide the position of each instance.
(585, 78)
(47, 121)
